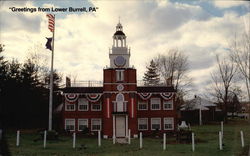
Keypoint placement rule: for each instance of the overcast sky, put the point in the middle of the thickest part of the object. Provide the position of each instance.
(200, 29)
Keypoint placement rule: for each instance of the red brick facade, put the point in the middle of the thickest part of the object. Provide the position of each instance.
(119, 109)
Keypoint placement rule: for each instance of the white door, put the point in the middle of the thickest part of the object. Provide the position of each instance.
(120, 126)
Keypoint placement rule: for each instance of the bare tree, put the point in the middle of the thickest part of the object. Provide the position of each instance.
(173, 68)
(240, 54)
(222, 79)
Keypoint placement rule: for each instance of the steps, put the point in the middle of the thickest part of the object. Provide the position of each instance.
(121, 140)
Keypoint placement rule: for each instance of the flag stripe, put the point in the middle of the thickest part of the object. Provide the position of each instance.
(51, 24)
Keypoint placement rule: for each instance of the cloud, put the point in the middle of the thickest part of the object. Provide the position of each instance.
(230, 3)
(82, 41)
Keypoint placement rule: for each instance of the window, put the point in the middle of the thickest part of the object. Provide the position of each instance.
(70, 124)
(142, 124)
(69, 106)
(119, 75)
(168, 105)
(96, 107)
(168, 123)
(96, 124)
(120, 103)
(155, 104)
(83, 104)
(155, 123)
(82, 124)
(142, 105)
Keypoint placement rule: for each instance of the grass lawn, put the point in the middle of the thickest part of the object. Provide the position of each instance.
(206, 137)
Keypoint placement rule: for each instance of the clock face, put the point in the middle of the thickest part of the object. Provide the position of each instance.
(120, 61)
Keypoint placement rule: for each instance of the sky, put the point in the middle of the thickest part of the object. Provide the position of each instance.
(200, 29)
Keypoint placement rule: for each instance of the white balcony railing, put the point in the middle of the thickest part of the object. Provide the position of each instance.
(120, 107)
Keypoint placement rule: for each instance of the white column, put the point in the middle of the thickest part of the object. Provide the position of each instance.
(125, 42)
(220, 140)
(193, 144)
(242, 139)
(113, 42)
(44, 139)
(113, 125)
(113, 137)
(116, 40)
(140, 140)
(74, 140)
(222, 128)
(17, 138)
(129, 136)
(126, 131)
(99, 138)
(164, 141)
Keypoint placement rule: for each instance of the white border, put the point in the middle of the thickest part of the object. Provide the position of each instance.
(117, 75)
(70, 119)
(165, 101)
(151, 123)
(81, 110)
(138, 124)
(100, 124)
(172, 123)
(80, 120)
(96, 110)
(70, 110)
(151, 104)
(145, 102)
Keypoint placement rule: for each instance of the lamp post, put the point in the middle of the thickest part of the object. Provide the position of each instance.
(200, 115)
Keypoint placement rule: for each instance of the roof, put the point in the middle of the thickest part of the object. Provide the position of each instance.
(83, 90)
(197, 103)
(155, 89)
(119, 33)
(100, 89)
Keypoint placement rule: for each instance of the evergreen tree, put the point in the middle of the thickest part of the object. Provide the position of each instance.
(151, 76)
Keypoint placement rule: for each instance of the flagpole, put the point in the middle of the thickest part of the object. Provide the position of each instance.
(51, 79)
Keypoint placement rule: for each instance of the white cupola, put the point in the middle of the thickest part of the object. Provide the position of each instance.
(119, 55)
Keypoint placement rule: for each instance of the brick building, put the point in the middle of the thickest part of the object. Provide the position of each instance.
(119, 104)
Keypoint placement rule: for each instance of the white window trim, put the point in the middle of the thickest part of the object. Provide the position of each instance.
(83, 104)
(151, 104)
(79, 122)
(66, 125)
(96, 110)
(117, 75)
(172, 123)
(152, 124)
(70, 110)
(138, 124)
(92, 123)
(144, 102)
(164, 102)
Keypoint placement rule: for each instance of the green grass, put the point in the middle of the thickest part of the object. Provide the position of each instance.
(206, 144)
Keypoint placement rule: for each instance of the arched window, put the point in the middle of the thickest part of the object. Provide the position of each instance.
(119, 97)
(120, 102)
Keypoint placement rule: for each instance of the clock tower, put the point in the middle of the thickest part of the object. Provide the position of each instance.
(119, 55)
(119, 88)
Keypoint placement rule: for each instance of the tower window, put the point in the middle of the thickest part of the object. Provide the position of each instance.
(119, 75)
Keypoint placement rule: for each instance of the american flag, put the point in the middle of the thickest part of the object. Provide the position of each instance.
(51, 22)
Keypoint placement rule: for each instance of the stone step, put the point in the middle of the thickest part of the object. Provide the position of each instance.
(121, 140)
